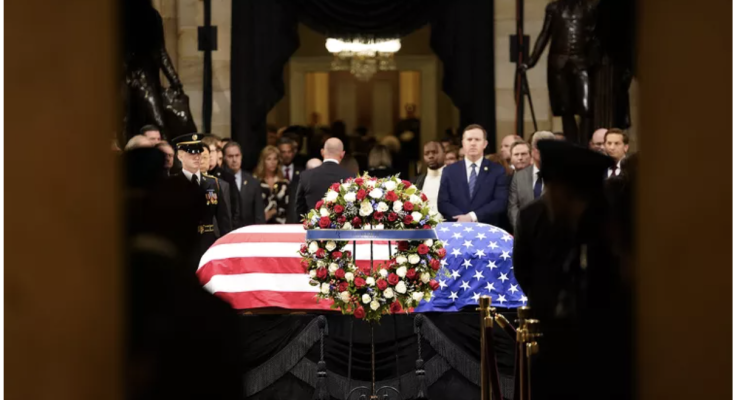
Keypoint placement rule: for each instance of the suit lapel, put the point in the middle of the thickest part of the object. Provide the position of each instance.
(465, 184)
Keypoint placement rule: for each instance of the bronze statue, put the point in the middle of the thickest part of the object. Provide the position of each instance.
(145, 56)
(569, 25)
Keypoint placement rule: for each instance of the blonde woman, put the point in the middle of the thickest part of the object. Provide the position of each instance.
(273, 185)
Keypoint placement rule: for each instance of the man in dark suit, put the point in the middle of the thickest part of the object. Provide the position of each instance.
(225, 177)
(189, 149)
(292, 172)
(474, 189)
(527, 185)
(314, 183)
(252, 209)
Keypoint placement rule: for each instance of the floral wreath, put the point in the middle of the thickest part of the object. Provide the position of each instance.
(393, 287)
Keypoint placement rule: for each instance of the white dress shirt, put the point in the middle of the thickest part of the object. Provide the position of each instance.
(612, 171)
(188, 175)
(238, 178)
(468, 167)
(331, 160)
(288, 171)
(431, 187)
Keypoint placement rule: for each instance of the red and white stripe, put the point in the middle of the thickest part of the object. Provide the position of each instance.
(260, 266)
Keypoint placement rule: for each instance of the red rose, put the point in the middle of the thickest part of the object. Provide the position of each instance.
(321, 273)
(406, 183)
(434, 284)
(411, 274)
(343, 286)
(338, 209)
(361, 194)
(360, 312)
(424, 198)
(304, 248)
(441, 253)
(324, 222)
(435, 264)
(319, 204)
(391, 196)
(335, 187)
(423, 249)
(402, 245)
(337, 255)
(392, 217)
(348, 254)
(407, 219)
(339, 274)
(359, 282)
(382, 284)
(408, 206)
(393, 279)
(305, 264)
(356, 222)
(342, 219)
(320, 253)
(379, 215)
(359, 181)
(427, 226)
(395, 307)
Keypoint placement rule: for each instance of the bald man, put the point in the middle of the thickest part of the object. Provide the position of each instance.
(314, 183)
(597, 143)
(505, 145)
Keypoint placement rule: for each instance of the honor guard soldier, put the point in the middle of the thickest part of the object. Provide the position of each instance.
(188, 151)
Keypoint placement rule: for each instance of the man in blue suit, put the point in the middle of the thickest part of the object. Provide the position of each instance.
(476, 189)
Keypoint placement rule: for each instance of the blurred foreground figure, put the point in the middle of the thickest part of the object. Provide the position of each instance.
(565, 260)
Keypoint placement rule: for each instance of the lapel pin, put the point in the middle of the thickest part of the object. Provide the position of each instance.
(485, 168)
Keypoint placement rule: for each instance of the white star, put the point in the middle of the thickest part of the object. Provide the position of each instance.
(491, 265)
(493, 245)
(476, 297)
(456, 252)
(501, 299)
(467, 243)
(442, 284)
(467, 263)
(480, 236)
(480, 253)
(465, 285)
(457, 235)
(503, 277)
(444, 229)
(456, 224)
(494, 230)
(468, 229)
(478, 275)
(507, 238)
(524, 299)
(444, 262)
(513, 288)
(490, 286)
(455, 274)
(453, 296)
(505, 255)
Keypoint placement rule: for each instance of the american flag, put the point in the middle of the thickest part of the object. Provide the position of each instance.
(259, 266)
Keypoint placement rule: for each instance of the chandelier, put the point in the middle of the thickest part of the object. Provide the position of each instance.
(363, 58)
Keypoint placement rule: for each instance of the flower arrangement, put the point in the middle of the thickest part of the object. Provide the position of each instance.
(392, 287)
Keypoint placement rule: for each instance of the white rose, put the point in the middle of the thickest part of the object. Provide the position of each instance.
(333, 268)
(414, 259)
(331, 245)
(376, 193)
(349, 276)
(324, 212)
(414, 188)
(383, 273)
(374, 305)
(379, 226)
(320, 264)
(401, 260)
(346, 185)
(332, 195)
(416, 216)
(417, 296)
(425, 277)
(401, 271)
(370, 182)
(350, 197)
(397, 206)
(429, 242)
(390, 186)
(347, 225)
(345, 296)
(313, 247)
(388, 293)
(312, 273)
(367, 227)
(366, 208)
(415, 199)
(382, 207)
(366, 298)
(401, 287)
(370, 281)
(325, 288)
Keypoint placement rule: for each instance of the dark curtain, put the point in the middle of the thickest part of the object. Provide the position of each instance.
(264, 36)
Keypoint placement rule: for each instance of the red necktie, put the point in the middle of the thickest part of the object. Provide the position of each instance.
(288, 173)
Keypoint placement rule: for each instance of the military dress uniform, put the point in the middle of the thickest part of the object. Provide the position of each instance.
(211, 195)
